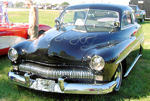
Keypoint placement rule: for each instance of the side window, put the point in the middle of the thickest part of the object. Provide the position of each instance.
(68, 17)
(126, 20)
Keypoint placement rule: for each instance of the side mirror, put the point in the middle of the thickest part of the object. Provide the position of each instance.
(57, 21)
(117, 24)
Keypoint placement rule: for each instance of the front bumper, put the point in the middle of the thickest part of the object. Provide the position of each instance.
(61, 86)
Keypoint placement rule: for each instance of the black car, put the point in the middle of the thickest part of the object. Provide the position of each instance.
(91, 49)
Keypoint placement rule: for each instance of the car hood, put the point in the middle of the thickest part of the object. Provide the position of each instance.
(69, 45)
(77, 45)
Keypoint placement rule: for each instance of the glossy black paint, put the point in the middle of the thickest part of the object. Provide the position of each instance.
(73, 47)
(118, 8)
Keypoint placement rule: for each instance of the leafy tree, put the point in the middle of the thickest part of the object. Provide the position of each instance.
(65, 4)
(19, 4)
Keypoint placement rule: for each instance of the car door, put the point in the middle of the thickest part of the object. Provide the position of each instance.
(133, 32)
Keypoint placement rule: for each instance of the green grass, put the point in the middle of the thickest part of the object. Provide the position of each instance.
(45, 17)
(135, 87)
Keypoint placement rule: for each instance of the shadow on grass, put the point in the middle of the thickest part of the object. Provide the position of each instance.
(4, 64)
(135, 86)
(145, 22)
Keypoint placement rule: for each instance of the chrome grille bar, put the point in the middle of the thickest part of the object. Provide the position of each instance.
(55, 72)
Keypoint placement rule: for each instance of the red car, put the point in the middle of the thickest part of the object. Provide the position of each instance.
(11, 34)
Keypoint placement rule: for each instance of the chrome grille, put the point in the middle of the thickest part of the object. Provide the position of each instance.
(55, 72)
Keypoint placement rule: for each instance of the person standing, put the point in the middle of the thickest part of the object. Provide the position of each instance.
(1, 13)
(33, 20)
(4, 13)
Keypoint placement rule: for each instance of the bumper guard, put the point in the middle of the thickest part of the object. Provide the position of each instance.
(61, 86)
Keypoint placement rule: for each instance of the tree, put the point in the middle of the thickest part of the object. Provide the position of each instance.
(19, 4)
(65, 4)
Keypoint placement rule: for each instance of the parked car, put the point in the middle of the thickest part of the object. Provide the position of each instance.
(142, 4)
(55, 7)
(41, 6)
(139, 14)
(89, 52)
(13, 33)
(48, 7)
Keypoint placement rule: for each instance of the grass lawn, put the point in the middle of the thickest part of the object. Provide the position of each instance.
(45, 17)
(135, 87)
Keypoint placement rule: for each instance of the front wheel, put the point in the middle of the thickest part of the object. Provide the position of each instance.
(118, 77)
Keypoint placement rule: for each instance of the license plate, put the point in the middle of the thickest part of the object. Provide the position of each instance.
(44, 85)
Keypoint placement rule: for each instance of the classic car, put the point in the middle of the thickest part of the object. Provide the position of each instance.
(89, 51)
(139, 14)
(12, 33)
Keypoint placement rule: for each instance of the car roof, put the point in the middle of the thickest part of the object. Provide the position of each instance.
(116, 7)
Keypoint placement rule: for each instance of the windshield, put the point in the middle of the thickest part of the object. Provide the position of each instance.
(90, 20)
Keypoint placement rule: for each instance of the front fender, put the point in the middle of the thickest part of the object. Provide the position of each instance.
(23, 46)
(114, 55)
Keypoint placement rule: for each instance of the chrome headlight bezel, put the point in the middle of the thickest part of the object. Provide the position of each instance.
(97, 63)
(12, 54)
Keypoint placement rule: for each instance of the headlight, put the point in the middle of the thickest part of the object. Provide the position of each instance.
(12, 54)
(97, 63)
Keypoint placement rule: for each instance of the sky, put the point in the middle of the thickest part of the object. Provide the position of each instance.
(73, 2)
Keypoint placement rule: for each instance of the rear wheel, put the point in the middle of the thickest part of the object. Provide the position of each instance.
(118, 77)
(142, 20)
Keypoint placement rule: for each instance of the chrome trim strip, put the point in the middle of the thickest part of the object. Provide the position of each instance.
(130, 68)
(62, 87)
(127, 26)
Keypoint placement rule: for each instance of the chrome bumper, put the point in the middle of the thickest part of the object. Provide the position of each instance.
(61, 86)
(139, 17)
